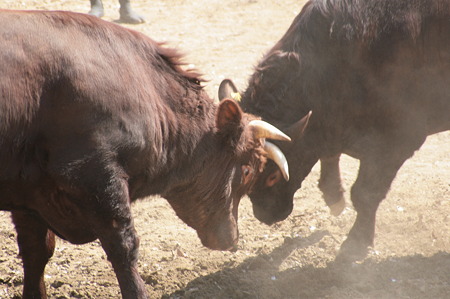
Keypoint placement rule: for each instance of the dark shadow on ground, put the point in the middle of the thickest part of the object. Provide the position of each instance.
(259, 277)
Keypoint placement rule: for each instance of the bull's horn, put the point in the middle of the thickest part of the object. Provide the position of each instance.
(263, 129)
(274, 153)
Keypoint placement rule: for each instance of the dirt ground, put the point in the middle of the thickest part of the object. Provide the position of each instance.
(292, 259)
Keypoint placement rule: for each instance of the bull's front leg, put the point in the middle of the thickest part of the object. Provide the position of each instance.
(36, 246)
(121, 246)
(372, 184)
(330, 184)
(112, 220)
(97, 195)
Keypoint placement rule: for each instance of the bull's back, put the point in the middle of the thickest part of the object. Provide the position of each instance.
(45, 48)
(411, 71)
(393, 60)
(64, 77)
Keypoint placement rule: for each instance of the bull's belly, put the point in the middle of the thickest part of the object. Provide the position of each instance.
(62, 214)
(65, 217)
(12, 197)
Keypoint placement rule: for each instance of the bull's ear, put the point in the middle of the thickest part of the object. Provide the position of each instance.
(227, 90)
(297, 129)
(228, 120)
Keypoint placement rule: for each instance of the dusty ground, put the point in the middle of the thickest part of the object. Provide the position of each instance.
(292, 259)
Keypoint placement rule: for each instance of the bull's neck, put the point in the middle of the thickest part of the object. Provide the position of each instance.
(189, 125)
(176, 140)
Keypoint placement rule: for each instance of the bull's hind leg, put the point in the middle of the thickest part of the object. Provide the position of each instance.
(36, 246)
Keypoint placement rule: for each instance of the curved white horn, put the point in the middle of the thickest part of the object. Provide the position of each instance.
(263, 129)
(274, 153)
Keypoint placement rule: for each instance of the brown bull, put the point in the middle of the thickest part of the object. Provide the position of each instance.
(94, 116)
(376, 76)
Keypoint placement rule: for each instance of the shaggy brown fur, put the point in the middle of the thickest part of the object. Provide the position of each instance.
(94, 116)
(376, 76)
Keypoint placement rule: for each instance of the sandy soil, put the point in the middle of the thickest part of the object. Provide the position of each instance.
(292, 259)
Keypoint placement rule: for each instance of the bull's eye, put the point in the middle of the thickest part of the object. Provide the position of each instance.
(247, 174)
(273, 178)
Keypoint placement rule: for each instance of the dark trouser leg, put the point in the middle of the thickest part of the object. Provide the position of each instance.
(128, 15)
(97, 8)
(36, 245)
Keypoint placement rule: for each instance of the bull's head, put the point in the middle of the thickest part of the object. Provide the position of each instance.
(272, 194)
(262, 129)
(223, 168)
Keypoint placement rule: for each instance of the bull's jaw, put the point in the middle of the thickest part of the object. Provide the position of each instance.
(272, 204)
(217, 229)
(221, 234)
(221, 238)
(270, 218)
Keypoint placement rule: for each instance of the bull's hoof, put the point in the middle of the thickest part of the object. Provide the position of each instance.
(337, 208)
(351, 251)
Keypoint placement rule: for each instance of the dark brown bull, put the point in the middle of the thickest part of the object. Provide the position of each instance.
(376, 76)
(94, 116)
(329, 182)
